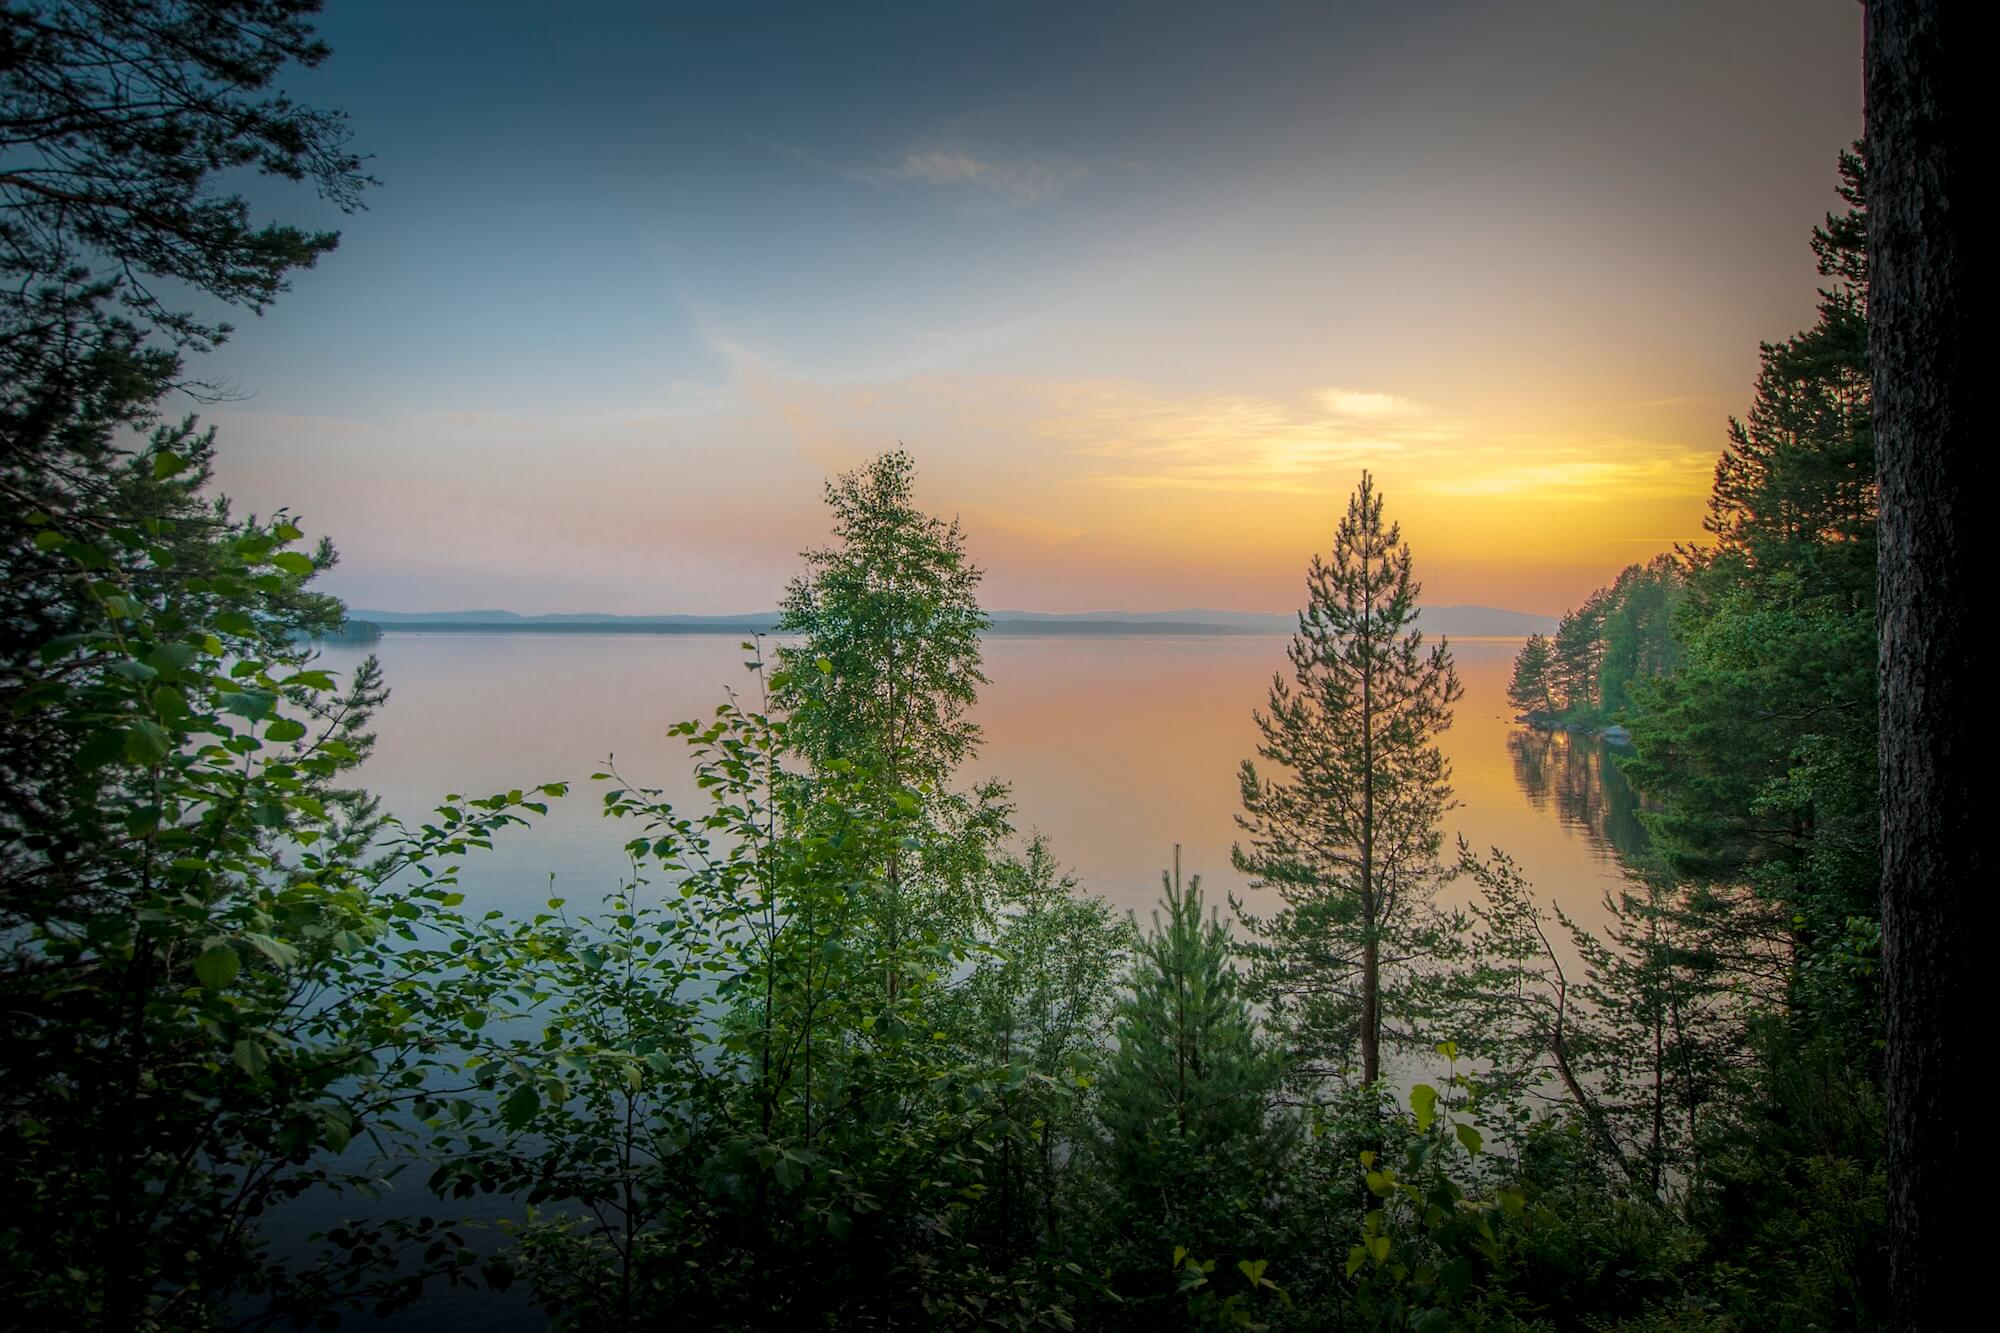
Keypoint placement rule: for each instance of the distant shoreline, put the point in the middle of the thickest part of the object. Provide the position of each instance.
(1023, 628)
(1011, 629)
(1455, 622)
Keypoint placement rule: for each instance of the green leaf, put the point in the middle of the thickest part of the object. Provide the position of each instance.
(167, 464)
(249, 1056)
(147, 743)
(279, 952)
(1470, 1137)
(285, 729)
(339, 1127)
(168, 658)
(520, 1106)
(293, 563)
(253, 704)
(1423, 1101)
(217, 966)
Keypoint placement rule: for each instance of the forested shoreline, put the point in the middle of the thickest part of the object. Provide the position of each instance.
(847, 1049)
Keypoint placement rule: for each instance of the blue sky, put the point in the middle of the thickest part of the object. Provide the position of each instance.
(1143, 287)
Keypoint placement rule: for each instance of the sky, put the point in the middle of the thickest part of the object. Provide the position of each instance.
(1143, 288)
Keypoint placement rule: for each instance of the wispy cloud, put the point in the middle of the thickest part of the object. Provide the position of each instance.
(1009, 177)
(1146, 440)
(1594, 469)
(1021, 179)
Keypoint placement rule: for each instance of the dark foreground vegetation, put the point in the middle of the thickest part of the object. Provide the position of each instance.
(844, 1051)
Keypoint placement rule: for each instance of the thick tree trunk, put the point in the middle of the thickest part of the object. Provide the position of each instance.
(1936, 865)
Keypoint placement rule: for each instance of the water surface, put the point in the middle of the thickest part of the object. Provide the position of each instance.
(1116, 748)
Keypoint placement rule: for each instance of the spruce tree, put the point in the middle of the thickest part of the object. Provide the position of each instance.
(1348, 833)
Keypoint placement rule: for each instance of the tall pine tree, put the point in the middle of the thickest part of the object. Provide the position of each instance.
(1348, 833)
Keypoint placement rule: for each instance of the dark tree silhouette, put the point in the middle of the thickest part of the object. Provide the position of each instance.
(1935, 481)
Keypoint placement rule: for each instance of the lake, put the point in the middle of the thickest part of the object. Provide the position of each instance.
(1117, 748)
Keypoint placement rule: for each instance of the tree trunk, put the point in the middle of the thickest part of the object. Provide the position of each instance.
(1371, 949)
(1934, 483)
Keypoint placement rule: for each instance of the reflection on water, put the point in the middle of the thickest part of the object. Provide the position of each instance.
(1116, 748)
(1578, 778)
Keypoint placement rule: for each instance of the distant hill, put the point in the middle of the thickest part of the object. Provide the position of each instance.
(1461, 621)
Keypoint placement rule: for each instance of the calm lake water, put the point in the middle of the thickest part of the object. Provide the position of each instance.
(1116, 748)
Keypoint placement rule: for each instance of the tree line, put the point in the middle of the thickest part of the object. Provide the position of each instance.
(843, 1049)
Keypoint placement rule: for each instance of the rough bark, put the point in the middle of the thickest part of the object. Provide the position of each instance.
(1934, 474)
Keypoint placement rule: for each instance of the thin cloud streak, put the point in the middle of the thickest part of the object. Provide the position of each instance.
(1026, 180)
(1018, 179)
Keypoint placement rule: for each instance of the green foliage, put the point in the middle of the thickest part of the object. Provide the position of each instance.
(884, 664)
(1040, 1000)
(1761, 748)
(1348, 837)
(1428, 1246)
(1620, 638)
(223, 969)
(1189, 1143)
(832, 1055)
(121, 125)
(1531, 688)
(888, 623)
(1725, 1037)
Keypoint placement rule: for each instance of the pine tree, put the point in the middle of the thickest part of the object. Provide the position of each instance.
(1758, 752)
(1185, 1104)
(1530, 688)
(1579, 649)
(1349, 837)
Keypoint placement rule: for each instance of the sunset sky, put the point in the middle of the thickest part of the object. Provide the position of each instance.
(1142, 287)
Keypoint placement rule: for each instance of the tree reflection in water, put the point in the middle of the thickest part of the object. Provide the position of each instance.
(1579, 776)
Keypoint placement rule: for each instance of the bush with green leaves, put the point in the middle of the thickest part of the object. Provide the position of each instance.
(224, 974)
(726, 1109)
(1430, 1250)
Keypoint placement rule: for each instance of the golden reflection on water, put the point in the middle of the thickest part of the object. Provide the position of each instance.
(1117, 748)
